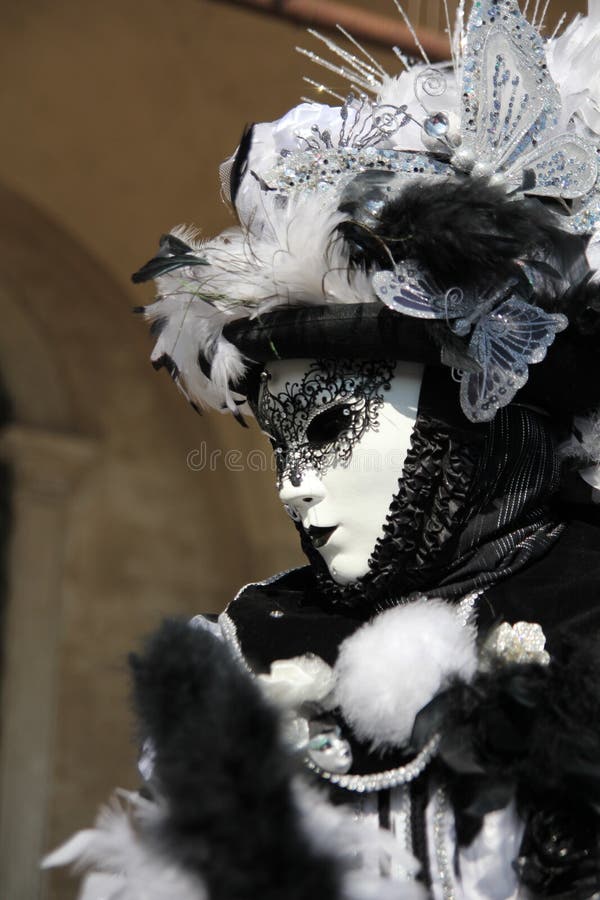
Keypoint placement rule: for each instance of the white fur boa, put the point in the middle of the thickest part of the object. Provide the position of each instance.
(389, 669)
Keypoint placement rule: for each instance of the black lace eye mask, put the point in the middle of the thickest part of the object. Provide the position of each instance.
(316, 422)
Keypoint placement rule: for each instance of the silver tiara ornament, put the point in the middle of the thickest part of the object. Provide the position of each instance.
(512, 127)
(506, 334)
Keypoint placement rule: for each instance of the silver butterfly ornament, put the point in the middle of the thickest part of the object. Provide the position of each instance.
(510, 131)
(511, 111)
(507, 334)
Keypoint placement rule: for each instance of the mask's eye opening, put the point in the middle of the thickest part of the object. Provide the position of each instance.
(329, 425)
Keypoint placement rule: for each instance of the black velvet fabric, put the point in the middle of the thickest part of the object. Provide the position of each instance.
(561, 592)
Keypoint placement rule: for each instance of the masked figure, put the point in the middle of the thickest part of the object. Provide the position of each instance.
(409, 310)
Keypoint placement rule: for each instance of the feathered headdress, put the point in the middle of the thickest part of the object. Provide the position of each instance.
(450, 214)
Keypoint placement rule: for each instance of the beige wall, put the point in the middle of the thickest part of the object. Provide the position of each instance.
(114, 117)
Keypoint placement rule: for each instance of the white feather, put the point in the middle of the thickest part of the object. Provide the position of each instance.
(120, 845)
(390, 668)
(248, 273)
(361, 850)
(584, 444)
(574, 64)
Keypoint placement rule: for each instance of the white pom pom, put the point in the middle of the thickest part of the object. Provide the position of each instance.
(389, 669)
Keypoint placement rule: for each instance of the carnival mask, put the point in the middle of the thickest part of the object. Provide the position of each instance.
(340, 431)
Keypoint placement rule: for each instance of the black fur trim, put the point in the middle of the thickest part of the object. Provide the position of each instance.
(581, 303)
(223, 772)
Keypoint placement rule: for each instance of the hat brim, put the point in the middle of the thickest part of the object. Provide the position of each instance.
(341, 331)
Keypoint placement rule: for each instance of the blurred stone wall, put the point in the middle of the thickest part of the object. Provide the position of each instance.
(115, 116)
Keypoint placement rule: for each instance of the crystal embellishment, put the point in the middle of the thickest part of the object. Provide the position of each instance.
(436, 126)
(523, 642)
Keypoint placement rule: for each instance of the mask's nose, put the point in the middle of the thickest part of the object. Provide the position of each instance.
(299, 498)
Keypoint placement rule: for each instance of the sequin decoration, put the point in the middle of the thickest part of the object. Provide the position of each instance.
(511, 109)
(325, 168)
(327, 158)
(511, 129)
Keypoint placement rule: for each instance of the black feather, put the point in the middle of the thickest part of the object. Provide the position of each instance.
(581, 303)
(239, 418)
(204, 364)
(157, 326)
(531, 733)
(173, 254)
(459, 229)
(167, 362)
(240, 162)
(225, 777)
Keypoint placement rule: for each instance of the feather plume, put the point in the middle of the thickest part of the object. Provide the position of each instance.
(460, 227)
(336, 830)
(124, 844)
(245, 273)
(574, 63)
(224, 773)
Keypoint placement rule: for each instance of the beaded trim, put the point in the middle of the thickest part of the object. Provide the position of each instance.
(465, 610)
(440, 816)
(380, 781)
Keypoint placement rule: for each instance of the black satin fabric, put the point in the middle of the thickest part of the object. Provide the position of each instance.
(473, 507)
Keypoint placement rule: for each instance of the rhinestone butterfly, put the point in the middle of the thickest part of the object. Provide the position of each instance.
(506, 334)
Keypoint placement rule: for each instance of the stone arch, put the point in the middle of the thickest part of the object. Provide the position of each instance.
(111, 530)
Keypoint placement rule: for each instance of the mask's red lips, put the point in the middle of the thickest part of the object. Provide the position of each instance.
(320, 536)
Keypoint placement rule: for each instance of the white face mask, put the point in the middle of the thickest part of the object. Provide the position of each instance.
(341, 432)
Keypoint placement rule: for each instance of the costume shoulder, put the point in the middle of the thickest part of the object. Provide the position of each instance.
(282, 618)
(561, 591)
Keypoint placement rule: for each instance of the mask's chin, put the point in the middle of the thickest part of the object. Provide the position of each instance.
(345, 567)
(343, 571)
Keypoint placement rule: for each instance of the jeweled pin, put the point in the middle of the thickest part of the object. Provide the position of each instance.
(437, 125)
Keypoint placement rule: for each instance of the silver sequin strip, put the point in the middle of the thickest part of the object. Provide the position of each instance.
(442, 855)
